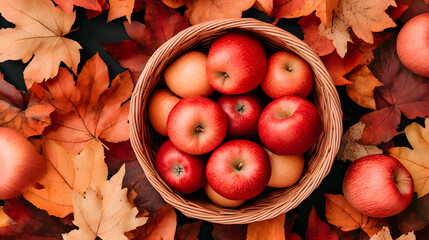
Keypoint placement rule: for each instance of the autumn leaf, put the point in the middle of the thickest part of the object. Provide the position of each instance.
(415, 7)
(188, 231)
(289, 222)
(416, 216)
(401, 92)
(396, 12)
(384, 234)
(351, 149)
(415, 159)
(161, 227)
(4, 218)
(361, 91)
(147, 199)
(106, 213)
(120, 8)
(162, 23)
(341, 214)
(310, 27)
(318, 229)
(67, 5)
(67, 173)
(267, 229)
(229, 232)
(38, 38)
(363, 17)
(25, 112)
(28, 222)
(91, 109)
(265, 6)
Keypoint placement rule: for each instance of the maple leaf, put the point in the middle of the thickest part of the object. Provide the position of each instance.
(38, 38)
(298, 8)
(268, 229)
(415, 160)
(318, 229)
(363, 17)
(147, 199)
(351, 149)
(162, 23)
(120, 8)
(29, 222)
(361, 91)
(161, 227)
(416, 216)
(341, 214)
(229, 232)
(91, 109)
(310, 27)
(106, 213)
(25, 112)
(188, 231)
(384, 234)
(67, 173)
(67, 5)
(402, 92)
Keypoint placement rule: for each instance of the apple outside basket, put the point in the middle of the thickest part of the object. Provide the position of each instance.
(271, 202)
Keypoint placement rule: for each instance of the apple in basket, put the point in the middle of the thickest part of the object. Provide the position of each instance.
(289, 125)
(238, 169)
(160, 104)
(236, 63)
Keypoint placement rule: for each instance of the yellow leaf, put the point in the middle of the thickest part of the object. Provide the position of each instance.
(106, 214)
(341, 214)
(362, 89)
(363, 17)
(67, 173)
(205, 10)
(415, 160)
(384, 234)
(39, 31)
(267, 229)
(120, 8)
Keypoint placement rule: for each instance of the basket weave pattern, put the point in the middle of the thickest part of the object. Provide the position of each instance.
(271, 202)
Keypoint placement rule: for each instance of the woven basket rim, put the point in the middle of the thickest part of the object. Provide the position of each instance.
(275, 201)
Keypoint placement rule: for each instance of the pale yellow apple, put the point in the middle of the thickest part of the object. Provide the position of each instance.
(218, 199)
(187, 76)
(286, 170)
(160, 104)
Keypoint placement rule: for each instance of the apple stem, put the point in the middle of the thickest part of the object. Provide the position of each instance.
(199, 129)
(240, 165)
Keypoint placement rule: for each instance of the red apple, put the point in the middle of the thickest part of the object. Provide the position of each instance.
(183, 172)
(289, 125)
(187, 76)
(160, 104)
(287, 74)
(286, 170)
(21, 165)
(218, 199)
(196, 125)
(378, 186)
(243, 112)
(413, 44)
(236, 63)
(238, 169)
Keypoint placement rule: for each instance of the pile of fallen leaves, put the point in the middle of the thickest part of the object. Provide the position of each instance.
(74, 109)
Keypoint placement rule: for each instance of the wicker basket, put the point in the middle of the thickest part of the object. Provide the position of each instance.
(271, 202)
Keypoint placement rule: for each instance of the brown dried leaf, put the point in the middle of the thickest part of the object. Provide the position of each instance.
(267, 229)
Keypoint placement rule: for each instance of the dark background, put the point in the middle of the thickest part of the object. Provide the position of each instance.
(91, 33)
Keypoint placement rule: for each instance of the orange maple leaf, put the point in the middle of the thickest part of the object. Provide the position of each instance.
(91, 109)
(120, 8)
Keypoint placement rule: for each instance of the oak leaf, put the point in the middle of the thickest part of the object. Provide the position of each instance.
(415, 159)
(38, 38)
(162, 23)
(318, 229)
(267, 229)
(91, 109)
(26, 112)
(363, 17)
(310, 27)
(188, 231)
(163, 226)
(147, 198)
(401, 92)
(104, 213)
(351, 149)
(229, 232)
(341, 214)
(361, 91)
(67, 173)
